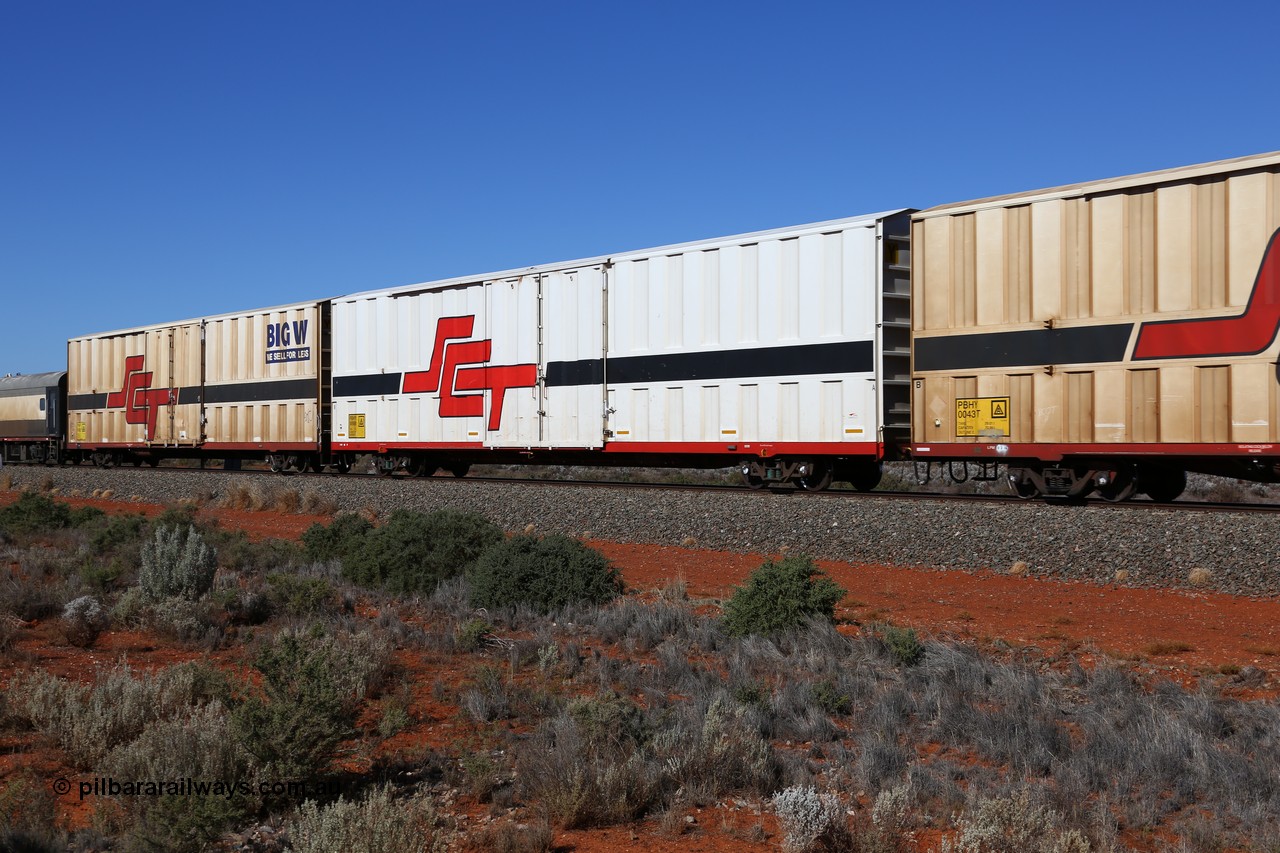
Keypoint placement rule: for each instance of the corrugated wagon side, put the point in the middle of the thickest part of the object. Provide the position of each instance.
(784, 352)
(244, 385)
(1109, 335)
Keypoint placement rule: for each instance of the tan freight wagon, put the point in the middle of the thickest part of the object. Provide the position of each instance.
(1109, 335)
(246, 385)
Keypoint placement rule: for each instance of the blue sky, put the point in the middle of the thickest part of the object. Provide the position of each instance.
(164, 160)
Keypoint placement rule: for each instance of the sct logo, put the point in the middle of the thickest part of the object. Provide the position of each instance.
(287, 341)
(447, 373)
(141, 403)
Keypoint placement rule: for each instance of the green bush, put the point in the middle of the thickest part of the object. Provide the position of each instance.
(412, 552)
(903, 645)
(312, 684)
(238, 552)
(339, 540)
(34, 513)
(177, 563)
(779, 596)
(300, 596)
(545, 574)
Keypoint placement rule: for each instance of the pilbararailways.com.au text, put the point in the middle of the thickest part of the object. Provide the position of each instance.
(106, 786)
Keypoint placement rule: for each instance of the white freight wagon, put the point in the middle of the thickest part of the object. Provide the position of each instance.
(785, 352)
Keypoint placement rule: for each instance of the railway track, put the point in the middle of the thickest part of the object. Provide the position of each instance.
(781, 492)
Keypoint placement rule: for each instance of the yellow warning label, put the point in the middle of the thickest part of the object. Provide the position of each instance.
(982, 416)
(355, 426)
(82, 431)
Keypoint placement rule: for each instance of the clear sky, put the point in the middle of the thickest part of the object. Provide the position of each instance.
(163, 160)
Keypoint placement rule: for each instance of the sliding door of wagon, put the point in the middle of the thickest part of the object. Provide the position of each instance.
(543, 381)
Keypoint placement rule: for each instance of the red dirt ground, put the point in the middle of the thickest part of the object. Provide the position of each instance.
(1216, 634)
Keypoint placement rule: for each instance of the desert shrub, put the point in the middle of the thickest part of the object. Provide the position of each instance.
(200, 748)
(101, 574)
(115, 532)
(413, 552)
(903, 645)
(779, 596)
(472, 634)
(83, 619)
(237, 552)
(28, 813)
(336, 541)
(600, 762)
(297, 595)
(177, 563)
(195, 623)
(379, 823)
(90, 721)
(34, 513)
(811, 821)
(182, 514)
(1013, 824)
(545, 574)
(312, 684)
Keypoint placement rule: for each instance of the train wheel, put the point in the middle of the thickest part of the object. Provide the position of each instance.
(277, 462)
(1022, 486)
(420, 468)
(754, 482)
(1162, 485)
(1121, 486)
(863, 476)
(387, 465)
(341, 463)
(460, 470)
(818, 478)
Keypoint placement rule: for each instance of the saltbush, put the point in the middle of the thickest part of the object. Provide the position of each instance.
(378, 824)
(413, 552)
(83, 619)
(545, 574)
(177, 563)
(198, 749)
(90, 721)
(779, 596)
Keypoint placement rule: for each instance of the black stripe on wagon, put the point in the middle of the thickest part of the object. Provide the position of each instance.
(86, 401)
(214, 395)
(369, 385)
(842, 357)
(1078, 345)
(252, 392)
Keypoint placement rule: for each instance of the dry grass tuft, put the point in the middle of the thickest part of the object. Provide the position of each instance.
(1199, 577)
(1018, 569)
(46, 483)
(97, 493)
(108, 494)
(688, 542)
(6, 482)
(286, 501)
(530, 528)
(1122, 575)
(314, 503)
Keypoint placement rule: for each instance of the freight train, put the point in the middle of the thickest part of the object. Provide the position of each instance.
(1104, 337)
